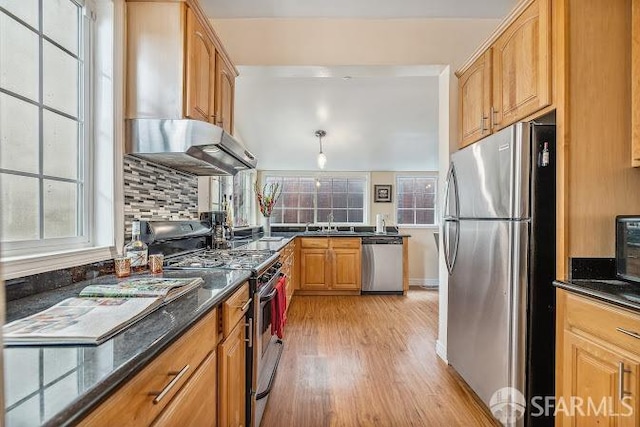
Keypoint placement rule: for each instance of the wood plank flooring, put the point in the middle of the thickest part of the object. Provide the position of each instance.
(367, 361)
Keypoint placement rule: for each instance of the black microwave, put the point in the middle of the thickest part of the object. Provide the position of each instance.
(628, 248)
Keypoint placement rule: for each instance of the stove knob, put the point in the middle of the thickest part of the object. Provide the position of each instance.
(277, 265)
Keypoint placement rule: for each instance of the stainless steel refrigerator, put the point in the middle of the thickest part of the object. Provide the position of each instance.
(499, 242)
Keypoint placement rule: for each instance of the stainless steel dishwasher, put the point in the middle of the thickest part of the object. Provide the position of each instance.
(382, 265)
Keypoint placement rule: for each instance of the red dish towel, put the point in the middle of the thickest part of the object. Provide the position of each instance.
(278, 308)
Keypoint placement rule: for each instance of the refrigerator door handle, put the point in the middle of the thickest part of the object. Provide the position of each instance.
(450, 253)
(451, 185)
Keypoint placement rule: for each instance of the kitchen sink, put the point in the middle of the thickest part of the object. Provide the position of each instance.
(329, 233)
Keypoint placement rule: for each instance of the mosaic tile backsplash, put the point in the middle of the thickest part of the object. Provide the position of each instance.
(155, 192)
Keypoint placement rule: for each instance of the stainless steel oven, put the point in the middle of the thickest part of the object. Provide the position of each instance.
(268, 348)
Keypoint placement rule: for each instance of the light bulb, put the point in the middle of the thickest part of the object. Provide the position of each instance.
(322, 160)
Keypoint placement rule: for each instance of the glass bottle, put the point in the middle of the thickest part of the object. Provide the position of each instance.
(136, 250)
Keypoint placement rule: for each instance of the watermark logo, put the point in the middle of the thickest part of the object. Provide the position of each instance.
(507, 405)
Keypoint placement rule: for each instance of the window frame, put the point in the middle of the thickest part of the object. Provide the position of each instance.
(323, 175)
(430, 175)
(85, 178)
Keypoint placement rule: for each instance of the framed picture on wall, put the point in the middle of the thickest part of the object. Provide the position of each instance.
(382, 193)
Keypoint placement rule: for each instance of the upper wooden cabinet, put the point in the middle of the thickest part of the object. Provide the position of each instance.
(176, 67)
(475, 100)
(635, 83)
(200, 71)
(511, 79)
(225, 84)
(521, 66)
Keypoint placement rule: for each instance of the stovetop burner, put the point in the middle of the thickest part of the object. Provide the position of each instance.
(231, 259)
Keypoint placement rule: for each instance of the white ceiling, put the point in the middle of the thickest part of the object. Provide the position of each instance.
(377, 9)
(380, 119)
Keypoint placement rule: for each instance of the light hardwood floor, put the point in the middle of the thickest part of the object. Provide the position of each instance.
(367, 361)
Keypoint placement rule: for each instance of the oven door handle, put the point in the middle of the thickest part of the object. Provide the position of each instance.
(269, 297)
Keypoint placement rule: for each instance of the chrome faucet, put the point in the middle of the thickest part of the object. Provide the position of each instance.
(330, 220)
(306, 227)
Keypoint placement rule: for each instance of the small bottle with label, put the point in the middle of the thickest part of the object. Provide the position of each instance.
(136, 250)
(545, 155)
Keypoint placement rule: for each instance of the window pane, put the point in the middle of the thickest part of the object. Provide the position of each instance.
(324, 186)
(276, 216)
(18, 58)
(355, 215)
(339, 215)
(60, 209)
(405, 216)
(60, 79)
(405, 185)
(18, 135)
(339, 200)
(306, 215)
(290, 216)
(19, 208)
(290, 200)
(290, 185)
(425, 216)
(324, 201)
(356, 186)
(323, 215)
(425, 200)
(306, 200)
(60, 23)
(27, 10)
(356, 200)
(405, 200)
(339, 185)
(60, 146)
(307, 185)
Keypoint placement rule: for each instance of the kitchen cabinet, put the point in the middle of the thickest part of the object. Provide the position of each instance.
(225, 83)
(162, 392)
(635, 84)
(200, 71)
(232, 386)
(521, 71)
(511, 79)
(330, 265)
(287, 258)
(171, 45)
(475, 100)
(596, 361)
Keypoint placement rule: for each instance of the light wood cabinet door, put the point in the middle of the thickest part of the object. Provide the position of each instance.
(474, 88)
(232, 388)
(195, 403)
(200, 71)
(594, 373)
(313, 269)
(225, 88)
(522, 66)
(346, 269)
(635, 84)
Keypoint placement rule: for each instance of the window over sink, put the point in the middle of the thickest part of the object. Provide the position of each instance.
(312, 198)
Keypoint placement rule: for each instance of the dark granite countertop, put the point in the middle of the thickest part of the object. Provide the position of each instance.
(58, 385)
(623, 294)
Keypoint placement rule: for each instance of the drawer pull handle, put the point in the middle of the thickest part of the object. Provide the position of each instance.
(621, 371)
(249, 338)
(628, 332)
(245, 306)
(159, 395)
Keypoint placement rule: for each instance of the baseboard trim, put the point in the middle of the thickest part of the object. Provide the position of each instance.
(424, 283)
(441, 351)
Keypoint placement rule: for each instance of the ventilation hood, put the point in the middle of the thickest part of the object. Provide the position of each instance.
(190, 146)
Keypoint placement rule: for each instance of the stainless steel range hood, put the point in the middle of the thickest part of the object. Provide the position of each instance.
(188, 145)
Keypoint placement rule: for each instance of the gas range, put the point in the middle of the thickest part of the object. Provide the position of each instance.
(256, 261)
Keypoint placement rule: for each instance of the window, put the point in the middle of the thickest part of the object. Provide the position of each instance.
(307, 199)
(416, 200)
(44, 126)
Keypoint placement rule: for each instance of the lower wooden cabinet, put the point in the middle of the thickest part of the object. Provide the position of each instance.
(330, 264)
(597, 364)
(195, 403)
(289, 269)
(232, 390)
(158, 391)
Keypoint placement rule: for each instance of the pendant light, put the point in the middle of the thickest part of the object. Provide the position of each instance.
(322, 159)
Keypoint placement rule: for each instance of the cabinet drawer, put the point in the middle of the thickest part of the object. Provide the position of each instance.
(195, 403)
(234, 308)
(314, 242)
(133, 404)
(602, 320)
(346, 242)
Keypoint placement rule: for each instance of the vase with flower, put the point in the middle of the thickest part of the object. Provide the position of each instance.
(267, 198)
